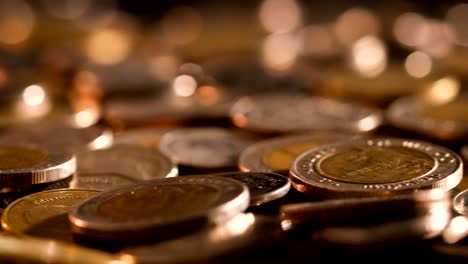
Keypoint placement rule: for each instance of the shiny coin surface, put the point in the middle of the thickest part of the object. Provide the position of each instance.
(120, 164)
(283, 113)
(263, 187)
(145, 137)
(375, 166)
(205, 147)
(23, 164)
(243, 232)
(460, 202)
(158, 208)
(276, 154)
(43, 214)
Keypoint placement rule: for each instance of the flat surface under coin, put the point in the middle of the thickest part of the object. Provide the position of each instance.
(154, 207)
(375, 166)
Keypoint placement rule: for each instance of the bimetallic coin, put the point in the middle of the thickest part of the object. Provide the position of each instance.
(375, 166)
(263, 187)
(159, 208)
(145, 137)
(120, 164)
(23, 164)
(205, 147)
(283, 113)
(43, 214)
(276, 154)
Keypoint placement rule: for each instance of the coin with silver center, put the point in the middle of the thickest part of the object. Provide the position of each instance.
(120, 164)
(263, 187)
(283, 113)
(159, 208)
(374, 166)
(205, 147)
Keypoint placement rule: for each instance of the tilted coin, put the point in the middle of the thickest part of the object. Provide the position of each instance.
(120, 164)
(23, 164)
(145, 137)
(375, 166)
(205, 147)
(44, 214)
(159, 208)
(460, 202)
(243, 232)
(275, 154)
(283, 113)
(263, 186)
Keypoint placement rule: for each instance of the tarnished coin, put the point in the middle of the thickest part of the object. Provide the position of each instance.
(145, 137)
(276, 154)
(375, 166)
(46, 251)
(263, 186)
(120, 164)
(44, 214)
(23, 164)
(205, 147)
(243, 232)
(159, 208)
(283, 113)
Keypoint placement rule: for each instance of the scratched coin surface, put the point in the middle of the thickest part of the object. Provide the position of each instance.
(375, 166)
(276, 154)
(263, 186)
(43, 214)
(205, 147)
(283, 113)
(120, 164)
(156, 207)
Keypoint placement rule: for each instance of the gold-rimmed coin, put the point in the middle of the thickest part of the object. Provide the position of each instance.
(374, 166)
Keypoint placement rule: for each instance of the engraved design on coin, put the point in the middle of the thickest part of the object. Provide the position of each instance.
(19, 157)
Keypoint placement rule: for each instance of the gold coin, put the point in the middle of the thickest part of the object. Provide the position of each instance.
(12, 157)
(373, 164)
(43, 214)
(280, 159)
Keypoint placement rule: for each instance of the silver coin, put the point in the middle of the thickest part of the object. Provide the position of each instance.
(283, 113)
(120, 164)
(146, 137)
(158, 208)
(375, 166)
(205, 147)
(244, 231)
(460, 202)
(263, 187)
(276, 154)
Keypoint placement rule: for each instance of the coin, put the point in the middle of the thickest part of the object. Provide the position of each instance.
(283, 113)
(145, 137)
(158, 208)
(464, 152)
(245, 231)
(23, 164)
(205, 147)
(460, 202)
(375, 166)
(43, 214)
(120, 164)
(275, 154)
(263, 186)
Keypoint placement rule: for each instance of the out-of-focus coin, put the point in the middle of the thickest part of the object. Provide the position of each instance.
(283, 113)
(44, 214)
(42, 251)
(464, 152)
(243, 232)
(120, 164)
(23, 164)
(263, 186)
(159, 208)
(205, 147)
(276, 154)
(145, 137)
(443, 120)
(460, 202)
(375, 166)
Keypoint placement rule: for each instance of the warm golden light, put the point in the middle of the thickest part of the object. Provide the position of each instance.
(108, 46)
(280, 16)
(418, 64)
(439, 42)
(208, 94)
(67, 9)
(442, 91)
(280, 51)
(457, 18)
(34, 102)
(34, 95)
(164, 67)
(182, 25)
(369, 56)
(456, 230)
(354, 24)
(411, 29)
(184, 85)
(16, 21)
(234, 227)
(319, 41)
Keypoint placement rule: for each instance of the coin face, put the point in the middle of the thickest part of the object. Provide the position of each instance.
(276, 154)
(375, 166)
(145, 137)
(263, 187)
(460, 202)
(12, 157)
(208, 147)
(43, 214)
(120, 164)
(159, 206)
(282, 113)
